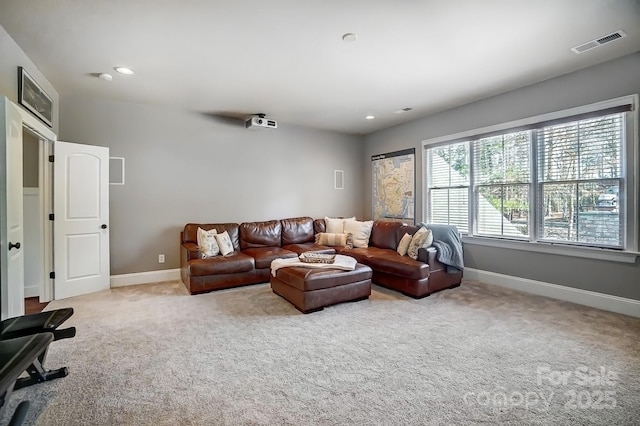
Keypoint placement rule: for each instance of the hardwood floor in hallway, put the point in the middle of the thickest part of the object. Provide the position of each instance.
(32, 305)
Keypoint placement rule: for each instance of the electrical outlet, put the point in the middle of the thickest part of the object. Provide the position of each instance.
(161, 258)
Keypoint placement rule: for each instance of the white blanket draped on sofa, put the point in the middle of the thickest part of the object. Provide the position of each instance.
(346, 263)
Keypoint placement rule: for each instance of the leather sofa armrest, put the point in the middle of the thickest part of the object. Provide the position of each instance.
(189, 251)
(424, 254)
(428, 256)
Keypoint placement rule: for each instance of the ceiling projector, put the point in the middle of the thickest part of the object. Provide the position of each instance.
(261, 121)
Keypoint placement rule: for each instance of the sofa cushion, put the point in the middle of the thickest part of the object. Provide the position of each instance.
(429, 241)
(402, 266)
(264, 255)
(234, 263)
(260, 234)
(207, 243)
(405, 229)
(190, 232)
(335, 240)
(403, 245)
(305, 247)
(335, 225)
(384, 234)
(361, 231)
(297, 230)
(421, 239)
(362, 255)
(319, 226)
(224, 243)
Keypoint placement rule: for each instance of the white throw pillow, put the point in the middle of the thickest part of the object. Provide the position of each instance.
(224, 241)
(419, 239)
(334, 225)
(403, 245)
(361, 231)
(207, 243)
(429, 241)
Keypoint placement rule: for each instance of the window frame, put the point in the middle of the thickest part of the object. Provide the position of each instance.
(449, 187)
(630, 187)
(475, 187)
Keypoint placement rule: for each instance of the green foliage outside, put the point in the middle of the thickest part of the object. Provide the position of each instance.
(578, 162)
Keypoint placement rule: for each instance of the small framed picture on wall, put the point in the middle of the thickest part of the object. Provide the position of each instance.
(33, 98)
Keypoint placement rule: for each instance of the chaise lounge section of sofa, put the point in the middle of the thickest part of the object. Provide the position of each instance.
(416, 278)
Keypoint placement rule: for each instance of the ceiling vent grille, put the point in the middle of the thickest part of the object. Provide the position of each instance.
(599, 42)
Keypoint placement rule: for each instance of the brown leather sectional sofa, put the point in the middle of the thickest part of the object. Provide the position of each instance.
(256, 244)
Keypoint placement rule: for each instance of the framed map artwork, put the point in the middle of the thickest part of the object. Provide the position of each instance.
(393, 185)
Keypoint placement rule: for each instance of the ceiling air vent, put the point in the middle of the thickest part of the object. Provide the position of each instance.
(403, 110)
(599, 42)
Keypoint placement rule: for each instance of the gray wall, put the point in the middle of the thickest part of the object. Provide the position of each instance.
(605, 81)
(183, 166)
(12, 56)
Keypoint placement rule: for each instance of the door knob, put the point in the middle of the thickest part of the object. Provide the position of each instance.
(104, 226)
(16, 245)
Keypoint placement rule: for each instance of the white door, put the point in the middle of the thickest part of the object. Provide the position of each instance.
(81, 219)
(11, 230)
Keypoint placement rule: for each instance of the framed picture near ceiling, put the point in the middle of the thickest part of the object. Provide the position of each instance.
(33, 98)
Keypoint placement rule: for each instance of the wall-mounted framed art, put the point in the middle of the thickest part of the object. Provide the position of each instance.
(33, 98)
(394, 186)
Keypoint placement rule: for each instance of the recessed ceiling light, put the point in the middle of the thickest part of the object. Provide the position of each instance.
(124, 70)
(349, 37)
(403, 110)
(370, 117)
(105, 76)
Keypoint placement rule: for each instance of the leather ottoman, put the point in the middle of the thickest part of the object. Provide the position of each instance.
(310, 290)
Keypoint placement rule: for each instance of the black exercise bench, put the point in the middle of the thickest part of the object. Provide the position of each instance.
(24, 342)
(16, 355)
(44, 322)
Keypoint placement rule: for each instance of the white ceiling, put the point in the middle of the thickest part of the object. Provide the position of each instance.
(286, 58)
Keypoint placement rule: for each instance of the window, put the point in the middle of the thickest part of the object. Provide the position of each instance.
(563, 178)
(502, 166)
(449, 195)
(580, 174)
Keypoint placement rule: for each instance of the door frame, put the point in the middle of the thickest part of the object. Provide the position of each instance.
(45, 181)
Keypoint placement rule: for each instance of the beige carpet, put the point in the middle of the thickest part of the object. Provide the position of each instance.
(478, 354)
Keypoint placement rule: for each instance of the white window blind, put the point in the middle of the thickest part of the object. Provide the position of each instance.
(502, 178)
(562, 180)
(448, 185)
(580, 174)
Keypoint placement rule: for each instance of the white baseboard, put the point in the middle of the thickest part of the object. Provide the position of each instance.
(145, 277)
(602, 301)
(593, 299)
(31, 290)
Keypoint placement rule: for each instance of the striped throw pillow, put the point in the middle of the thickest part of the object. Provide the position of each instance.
(335, 240)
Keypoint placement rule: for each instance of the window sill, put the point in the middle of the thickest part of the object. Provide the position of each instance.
(548, 248)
